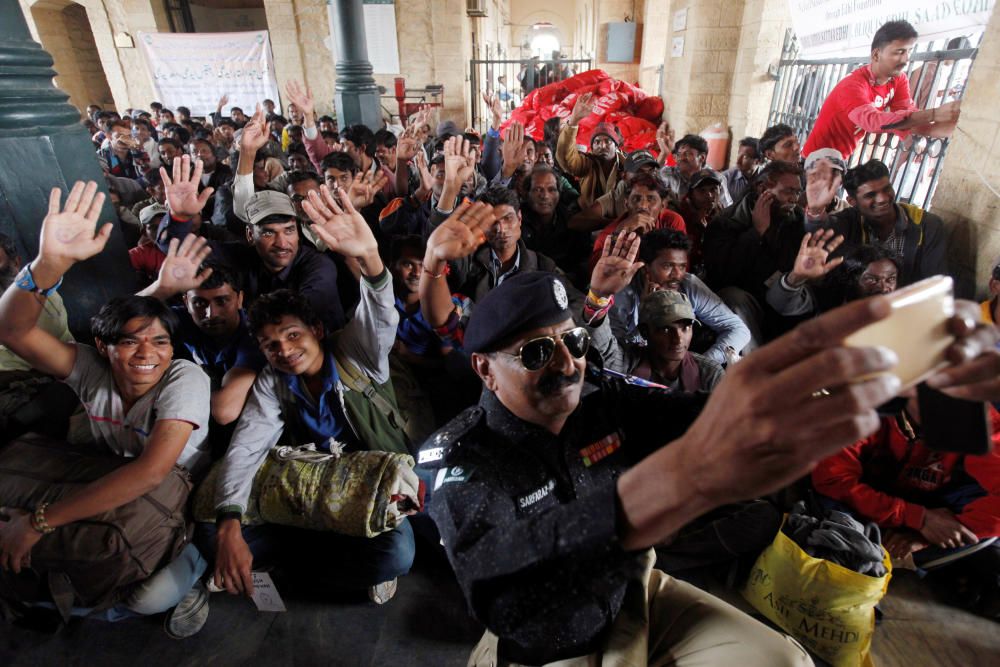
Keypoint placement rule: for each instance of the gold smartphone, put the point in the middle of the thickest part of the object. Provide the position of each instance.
(917, 329)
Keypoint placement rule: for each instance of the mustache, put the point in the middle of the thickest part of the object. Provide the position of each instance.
(554, 383)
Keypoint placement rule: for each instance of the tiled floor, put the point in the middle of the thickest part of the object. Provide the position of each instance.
(426, 625)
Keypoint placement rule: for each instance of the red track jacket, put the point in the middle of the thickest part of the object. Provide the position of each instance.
(885, 477)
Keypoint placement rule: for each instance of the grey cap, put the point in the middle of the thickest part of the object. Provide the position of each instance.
(267, 203)
(147, 214)
(663, 307)
(831, 154)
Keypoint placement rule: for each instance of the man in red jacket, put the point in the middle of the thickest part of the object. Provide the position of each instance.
(923, 498)
(876, 98)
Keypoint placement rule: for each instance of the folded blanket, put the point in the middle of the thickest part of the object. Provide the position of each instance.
(362, 494)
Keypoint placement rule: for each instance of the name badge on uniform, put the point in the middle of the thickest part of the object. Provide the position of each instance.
(603, 448)
(431, 455)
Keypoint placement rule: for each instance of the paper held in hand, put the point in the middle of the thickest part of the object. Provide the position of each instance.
(265, 593)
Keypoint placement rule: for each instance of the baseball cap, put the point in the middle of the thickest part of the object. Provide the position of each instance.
(636, 160)
(663, 307)
(703, 176)
(147, 214)
(525, 301)
(268, 203)
(831, 154)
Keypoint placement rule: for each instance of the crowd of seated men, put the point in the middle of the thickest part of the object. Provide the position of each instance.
(268, 246)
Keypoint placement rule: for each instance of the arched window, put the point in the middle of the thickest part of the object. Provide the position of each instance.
(544, 41)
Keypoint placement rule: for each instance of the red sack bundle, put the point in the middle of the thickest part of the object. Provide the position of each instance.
(634, 112)
(584, 79)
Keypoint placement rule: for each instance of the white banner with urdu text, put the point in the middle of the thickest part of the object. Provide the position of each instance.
(842, 28)
(196, 69)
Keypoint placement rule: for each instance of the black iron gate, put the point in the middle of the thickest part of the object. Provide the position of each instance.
(512, 80)
(937, 73)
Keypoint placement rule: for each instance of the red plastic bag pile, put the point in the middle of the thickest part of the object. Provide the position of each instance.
(630, 109)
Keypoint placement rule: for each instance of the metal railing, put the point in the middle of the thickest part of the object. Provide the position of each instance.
(512, 80)
(936, 75)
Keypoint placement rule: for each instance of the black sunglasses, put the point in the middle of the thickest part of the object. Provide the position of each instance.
(538, 352)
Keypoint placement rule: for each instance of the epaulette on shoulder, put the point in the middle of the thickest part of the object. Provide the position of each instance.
(449, 436)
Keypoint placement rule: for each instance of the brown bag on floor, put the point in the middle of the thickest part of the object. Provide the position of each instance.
(93, 562)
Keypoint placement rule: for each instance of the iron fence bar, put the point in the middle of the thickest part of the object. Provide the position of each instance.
(943, 54)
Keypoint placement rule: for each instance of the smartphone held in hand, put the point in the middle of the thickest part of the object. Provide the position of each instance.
(917, 329)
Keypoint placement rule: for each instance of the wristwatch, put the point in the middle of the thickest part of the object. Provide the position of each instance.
(26, 281)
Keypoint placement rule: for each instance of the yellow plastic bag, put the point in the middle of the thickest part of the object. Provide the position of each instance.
(828, 608)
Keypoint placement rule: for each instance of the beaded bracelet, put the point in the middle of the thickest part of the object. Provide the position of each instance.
(38, 522)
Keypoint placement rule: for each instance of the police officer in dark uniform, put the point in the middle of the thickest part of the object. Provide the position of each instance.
(546, 516)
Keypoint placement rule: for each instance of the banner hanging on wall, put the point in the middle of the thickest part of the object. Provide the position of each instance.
(842, 28)
(196, 69)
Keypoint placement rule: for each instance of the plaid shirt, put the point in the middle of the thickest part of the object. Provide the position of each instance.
(897, 237)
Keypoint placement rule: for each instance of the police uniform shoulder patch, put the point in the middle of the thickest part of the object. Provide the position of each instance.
(452, 475)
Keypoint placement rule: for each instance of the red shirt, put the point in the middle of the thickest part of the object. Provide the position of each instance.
(147, 259)
(855, 106)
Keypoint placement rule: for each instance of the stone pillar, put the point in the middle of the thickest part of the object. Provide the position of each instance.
(966, 196)
(43, 145)
(762, 34)
(697, 87)
(356, 97)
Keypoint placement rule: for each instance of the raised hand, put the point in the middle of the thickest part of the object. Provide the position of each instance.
(459, 162)
(822, 184)
(813, 261)
(364, 187)
(183, 199)
(182, 267)
(460, 235)
(68, 234)
(407, 146)
(665, 138)
(582, 108)
(514, 149)
(255, 134)
(341, 227)
(223, 101)
(493, 104)
(300, 96)
(426, 187)
(617, 266)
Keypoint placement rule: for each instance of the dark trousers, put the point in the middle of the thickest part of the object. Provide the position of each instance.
(324, 557)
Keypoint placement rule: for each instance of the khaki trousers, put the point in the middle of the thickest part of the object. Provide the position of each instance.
(666, 622)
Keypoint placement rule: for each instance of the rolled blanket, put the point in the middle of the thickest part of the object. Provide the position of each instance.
(362, 494)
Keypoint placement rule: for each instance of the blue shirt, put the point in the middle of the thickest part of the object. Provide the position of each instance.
(415, 333)
(322, 417)
(218, 358)
(419, 336)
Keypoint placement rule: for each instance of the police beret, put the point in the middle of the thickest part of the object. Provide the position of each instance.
(520, 303)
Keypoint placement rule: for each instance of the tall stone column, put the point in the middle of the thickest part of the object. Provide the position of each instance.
(356, 97)
(43, 145)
